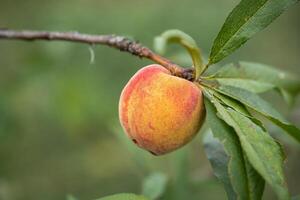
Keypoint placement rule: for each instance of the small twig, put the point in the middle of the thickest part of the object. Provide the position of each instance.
(92, 54)
(118, 42)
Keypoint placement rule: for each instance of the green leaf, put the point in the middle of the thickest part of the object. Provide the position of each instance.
(237, 106)
(260, 72)
(177, 36)
(219, 155)
(219, 160)
(256, 184)
(246, 19)
(288, 84)
(124, 196)
(255, 102)
(232, 103)
(154, 185)
(251, 85)
(224, 152)
(263, 152)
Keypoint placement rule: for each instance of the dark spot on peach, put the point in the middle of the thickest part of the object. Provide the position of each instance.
(153, 153)
(134, 141)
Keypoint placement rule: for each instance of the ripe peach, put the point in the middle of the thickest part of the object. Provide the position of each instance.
(160, 112)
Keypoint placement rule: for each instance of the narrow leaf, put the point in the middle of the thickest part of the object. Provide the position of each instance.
(288, 84)
(223, 150)
(246, 19)
(256, 183)
(219, 161)
(260, 72)
(250, 85)
(256, 103)
(262, 151)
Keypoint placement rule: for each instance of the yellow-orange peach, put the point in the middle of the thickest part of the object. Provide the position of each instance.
(160, 112)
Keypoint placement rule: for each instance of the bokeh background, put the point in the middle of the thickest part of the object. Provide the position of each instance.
(59, 129)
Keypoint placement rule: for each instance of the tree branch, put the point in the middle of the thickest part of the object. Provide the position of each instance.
(118, 42)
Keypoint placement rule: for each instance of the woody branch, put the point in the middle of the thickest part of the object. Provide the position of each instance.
(118, 42)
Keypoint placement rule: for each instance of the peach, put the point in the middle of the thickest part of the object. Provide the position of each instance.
(160, 112)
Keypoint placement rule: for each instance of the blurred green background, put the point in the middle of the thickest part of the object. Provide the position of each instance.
(59, 129)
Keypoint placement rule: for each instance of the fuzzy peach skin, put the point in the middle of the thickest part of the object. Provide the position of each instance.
(160, 112)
